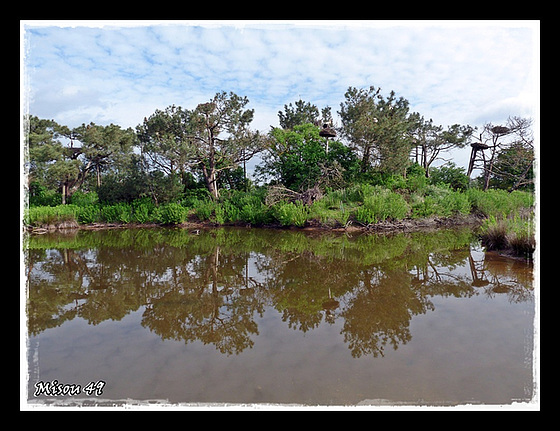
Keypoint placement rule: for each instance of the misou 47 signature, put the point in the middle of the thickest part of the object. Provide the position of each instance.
(57, 389)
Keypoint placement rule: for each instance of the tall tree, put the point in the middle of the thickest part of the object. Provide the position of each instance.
(211, 138)
(104, 146)
(298, 159)
(50, 161)
(301, 113)
(511, 153)
(164, 140)
(378, 128)
(432, 140)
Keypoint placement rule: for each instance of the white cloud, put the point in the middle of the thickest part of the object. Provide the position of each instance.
(451, 73)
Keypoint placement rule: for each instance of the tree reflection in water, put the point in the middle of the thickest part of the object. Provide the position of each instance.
(212, 287)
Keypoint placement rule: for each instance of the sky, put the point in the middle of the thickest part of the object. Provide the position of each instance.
(465, 72)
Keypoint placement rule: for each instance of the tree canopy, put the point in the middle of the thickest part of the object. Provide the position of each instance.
(177, 150)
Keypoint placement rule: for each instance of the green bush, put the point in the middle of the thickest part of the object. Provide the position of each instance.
(330, 211)
(499, 202)
(88, 214)
(456, 203)
(172, 213)
(425, 206)
(39, 195)
(386, 205)
(143, 210)
(117, 213)
(204, 209)
(365, 215)
(440, 201)
(84, 199)
(256, 213)
(291, 214)
(227, 212)
(38, 216)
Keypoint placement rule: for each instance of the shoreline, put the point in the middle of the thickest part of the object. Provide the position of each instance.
(404, 225)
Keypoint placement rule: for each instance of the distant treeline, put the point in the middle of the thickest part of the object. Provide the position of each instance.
(178, 155)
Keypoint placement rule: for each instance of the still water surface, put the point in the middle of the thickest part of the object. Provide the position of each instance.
(266, 316)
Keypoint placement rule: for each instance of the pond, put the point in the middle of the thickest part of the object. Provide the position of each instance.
(251, 316)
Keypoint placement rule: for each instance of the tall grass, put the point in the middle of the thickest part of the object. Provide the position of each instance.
(515, 234)
(361, 203)
(499, 202)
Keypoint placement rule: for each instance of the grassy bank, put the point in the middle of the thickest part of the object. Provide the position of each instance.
(513, 234)
(360, 205)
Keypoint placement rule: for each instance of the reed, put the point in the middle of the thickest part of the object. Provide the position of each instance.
(514, 234)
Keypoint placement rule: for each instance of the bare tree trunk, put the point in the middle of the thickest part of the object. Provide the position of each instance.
(365, 158)
(210, 179)
(488, 169)
(98, 171)
(64, 193)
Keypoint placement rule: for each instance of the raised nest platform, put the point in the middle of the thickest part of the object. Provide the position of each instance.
(327, 131)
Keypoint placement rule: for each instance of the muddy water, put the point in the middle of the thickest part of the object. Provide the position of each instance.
(260, 316)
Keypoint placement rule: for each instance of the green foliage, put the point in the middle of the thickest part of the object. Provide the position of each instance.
(39, 195)
(457, 203)
(186, 155)
(84, 199)
(88, 214)
(382, 206)
(440, 201)
(39, 216)
(172, 213)
(302, 113)
(213, 134)
(143, 210)
(515, 233)
(378, 125)
(297, 158)
(451, 175)
(499, 202)
(291, 214)
(204, 209)
(332, 210)
(117, 213)
(365, 215)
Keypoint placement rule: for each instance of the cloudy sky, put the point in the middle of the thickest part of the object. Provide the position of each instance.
(120, 72)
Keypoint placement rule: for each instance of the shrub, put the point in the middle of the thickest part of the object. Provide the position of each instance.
(41, 196)
(83, 199)
(172, 213)
(365, 215)
(330, 211)
(255, 213)
(440, 201)
(291, 214)
(425, 206)
(499, 202)
(117, 213)
(143, 210)
(204, 209)
(386, 205)
(37, 216)
(88, 214)
(456, 203)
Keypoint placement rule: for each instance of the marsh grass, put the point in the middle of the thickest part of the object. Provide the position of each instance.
(514, 234)
(363, 204)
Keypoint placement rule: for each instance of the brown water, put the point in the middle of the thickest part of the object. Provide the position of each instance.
(265, 316)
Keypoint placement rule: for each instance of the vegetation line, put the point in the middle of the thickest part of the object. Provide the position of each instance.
(377, 169)
(360, 206)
